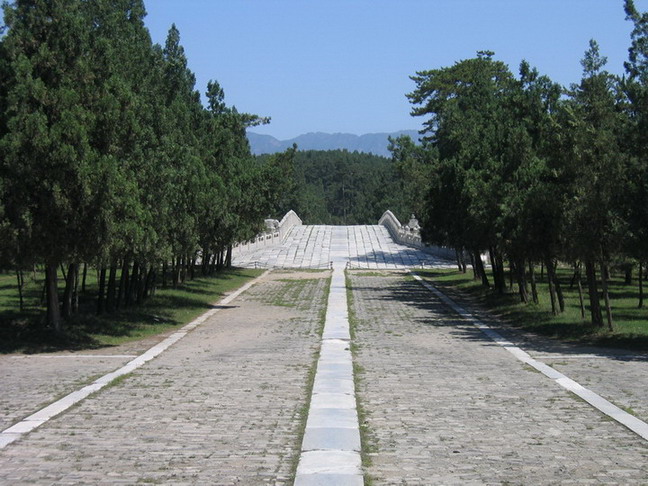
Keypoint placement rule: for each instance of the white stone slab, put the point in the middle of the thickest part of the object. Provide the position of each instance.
(6, 439)
(335, 368)
(331, 439)
(335, 374)
(335, 345)
(329, 462)
(336, 332)
(333, 385)
(333, 400)
(23, 427)
(343, 418)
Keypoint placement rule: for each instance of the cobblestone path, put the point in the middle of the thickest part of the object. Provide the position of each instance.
(221, 407)
(29, 382)
(445, 405)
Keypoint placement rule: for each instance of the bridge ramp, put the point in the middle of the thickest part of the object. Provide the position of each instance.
(361, 246)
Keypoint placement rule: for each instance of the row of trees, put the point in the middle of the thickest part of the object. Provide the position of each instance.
(341, 187)
(108, 156)
(529, 172)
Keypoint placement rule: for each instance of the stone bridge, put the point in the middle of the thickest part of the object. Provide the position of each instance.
(387, 245)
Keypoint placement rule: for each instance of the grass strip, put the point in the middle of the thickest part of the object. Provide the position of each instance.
(630, 323)
(367, 442)
(166, 310)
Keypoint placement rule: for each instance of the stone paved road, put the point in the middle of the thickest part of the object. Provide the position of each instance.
(617, 375)
(445, 405)
(29, 382)
(222, 406)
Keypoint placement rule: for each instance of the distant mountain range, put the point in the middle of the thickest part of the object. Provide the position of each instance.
(375, 143)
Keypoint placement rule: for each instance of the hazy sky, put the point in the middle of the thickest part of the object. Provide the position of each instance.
(344, 65)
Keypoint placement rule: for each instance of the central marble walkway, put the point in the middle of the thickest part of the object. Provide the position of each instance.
(368, 246)
(330, 453)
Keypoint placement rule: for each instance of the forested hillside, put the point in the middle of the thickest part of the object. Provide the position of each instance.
(370, 143)
(340, 187)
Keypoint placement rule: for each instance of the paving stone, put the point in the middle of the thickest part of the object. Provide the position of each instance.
(361, 246)
(216, 408)
(331, 438)
(341, 463)
(333, 400)
(330, 480)
(445, 405)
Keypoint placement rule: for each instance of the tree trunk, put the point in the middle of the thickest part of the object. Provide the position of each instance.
(521, 279)
(481, 271)
(204, 261)
(21, 283)
(67, 293)
(131, 291)
(220, 260)
(552, 287)
(192, 265)
(183, 268)
(141, 284)
(85, 275)
(43, 297)
(497, 266)
(75, 290)
(628, 267)
(214, 264)
(175, 263)
(595, 304)
(101, 302)
(123, 283)
(580, 291)
(53, 308)
(474, 266)
(557, 299)
(534, 289)
(112, 284)
(575, 276)
(228, 257)
(458, 259)
(606, 296)
(149, 286)
(641, 277)
(552, 295)
(559, 292)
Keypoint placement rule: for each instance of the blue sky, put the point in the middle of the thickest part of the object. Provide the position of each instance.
(344, 65)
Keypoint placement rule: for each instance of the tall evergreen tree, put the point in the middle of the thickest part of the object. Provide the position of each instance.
(596, 123)
(48, 161)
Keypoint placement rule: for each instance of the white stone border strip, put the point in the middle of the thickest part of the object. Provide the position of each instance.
(37, 419)
(330, 453)
(636, 425)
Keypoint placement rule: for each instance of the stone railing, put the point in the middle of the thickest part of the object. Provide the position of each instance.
(410, 235)
(274, 234)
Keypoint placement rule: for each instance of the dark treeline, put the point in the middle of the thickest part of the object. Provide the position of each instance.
(109, 159)
(341, 187)
(534, 174)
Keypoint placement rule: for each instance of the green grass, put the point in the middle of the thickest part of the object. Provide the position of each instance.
(367, 440)
(303, 411)
(630, 323)
(168, 309)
